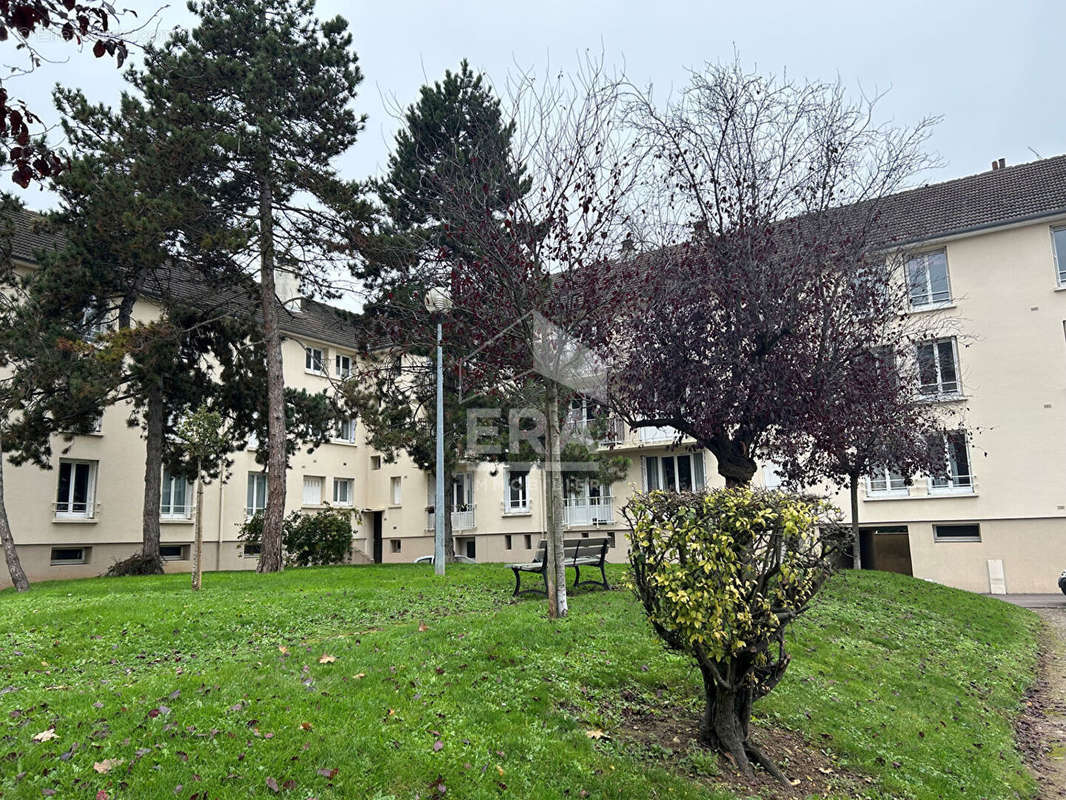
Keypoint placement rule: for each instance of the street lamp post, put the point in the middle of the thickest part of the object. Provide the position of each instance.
(438, 303)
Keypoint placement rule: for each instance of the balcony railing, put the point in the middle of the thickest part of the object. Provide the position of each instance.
(607, 431)
(461, 520)
(659, 434)
(579, 511)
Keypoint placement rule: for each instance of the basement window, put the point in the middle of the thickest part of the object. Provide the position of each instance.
(507, 542)
(394, 545)
(62, 556)
(969, 532)
(174, 552)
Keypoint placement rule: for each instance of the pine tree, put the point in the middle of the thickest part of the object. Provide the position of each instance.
(268, 87)
(455, 135)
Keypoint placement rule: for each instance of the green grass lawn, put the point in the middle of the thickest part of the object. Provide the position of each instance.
(445, 684)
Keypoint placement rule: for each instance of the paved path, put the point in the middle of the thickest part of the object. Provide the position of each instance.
(1042, 731)
(1036, 601)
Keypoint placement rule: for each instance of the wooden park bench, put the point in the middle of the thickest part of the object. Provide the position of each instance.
(578, 553)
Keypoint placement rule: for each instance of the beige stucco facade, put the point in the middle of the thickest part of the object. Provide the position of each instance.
(1008, 313)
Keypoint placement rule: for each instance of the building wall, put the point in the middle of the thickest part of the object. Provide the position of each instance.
(1008, 315)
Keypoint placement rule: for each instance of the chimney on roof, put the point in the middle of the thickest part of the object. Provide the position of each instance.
(999, 163)
(287, 289)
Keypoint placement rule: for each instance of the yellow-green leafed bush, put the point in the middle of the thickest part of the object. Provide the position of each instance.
(721, 574)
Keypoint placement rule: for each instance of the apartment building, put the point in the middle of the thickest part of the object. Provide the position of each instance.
(988, 251)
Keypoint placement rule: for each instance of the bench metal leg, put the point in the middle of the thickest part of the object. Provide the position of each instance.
(603, 572)
(518, 581)
(577, 576)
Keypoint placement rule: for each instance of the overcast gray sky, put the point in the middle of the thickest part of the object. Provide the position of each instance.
(994, 71)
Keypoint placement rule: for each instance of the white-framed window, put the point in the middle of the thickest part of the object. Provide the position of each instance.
(1058, 246)
(98, 424)
(516, 501)
(96, 319)
(771, 478)
(938, 368)
(313, 490)
(343, 366)
(346, 431)
(314, 360)
(396, 490)
(957, 477)
(343, 491)
(962, 532)
(674, 473)
(257, 494)
(76, 492)
(176, 500)
(927, 279)
(885, 482)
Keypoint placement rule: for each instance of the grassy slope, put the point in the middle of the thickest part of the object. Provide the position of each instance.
(881, 661)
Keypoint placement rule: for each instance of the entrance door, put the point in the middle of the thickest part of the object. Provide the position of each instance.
(376, 522)
(887, 549)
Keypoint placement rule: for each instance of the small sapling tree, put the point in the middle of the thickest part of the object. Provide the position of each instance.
(204, 438)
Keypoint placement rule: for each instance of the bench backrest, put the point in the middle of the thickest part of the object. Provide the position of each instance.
(584, 548)
(542, 553)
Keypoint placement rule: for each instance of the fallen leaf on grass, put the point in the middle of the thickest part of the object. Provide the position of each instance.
(438, 746)
(105, 766)
(596, 733)
(101, 795)
(45, 736)
(272, 785)
(305, 726)
(284, 650)
(360, 676)
(422, 627)
(326, 658)
(327, 773)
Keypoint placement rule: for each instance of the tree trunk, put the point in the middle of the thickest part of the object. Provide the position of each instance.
(556, 566)
(277, 461)
(726, 726)
(734, 463)
(198, 534)
(153, 473)
(856, 552)
(14, 566)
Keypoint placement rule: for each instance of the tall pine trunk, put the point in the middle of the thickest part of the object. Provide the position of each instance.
(14, 566)
(270, 554)
(153, 473)
(198, 534)
(856, 552)
(556, 566)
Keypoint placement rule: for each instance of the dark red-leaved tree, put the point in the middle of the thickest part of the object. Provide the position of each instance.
(760, 305)
(75, 22)
(759, 285)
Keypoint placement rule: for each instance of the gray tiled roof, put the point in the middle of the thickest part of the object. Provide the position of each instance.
(996, 197)
(313, 320)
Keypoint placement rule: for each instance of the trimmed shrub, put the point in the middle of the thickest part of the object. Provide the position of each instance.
(324, 537)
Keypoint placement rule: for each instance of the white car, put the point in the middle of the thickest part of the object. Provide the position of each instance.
(458, 559)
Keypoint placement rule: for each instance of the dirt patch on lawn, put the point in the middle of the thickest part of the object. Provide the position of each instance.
(1041, 729)
(672, 740)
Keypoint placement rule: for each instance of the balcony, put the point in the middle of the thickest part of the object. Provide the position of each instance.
(608, 431)
(587, 511)
(657, 434)
(461, 520)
